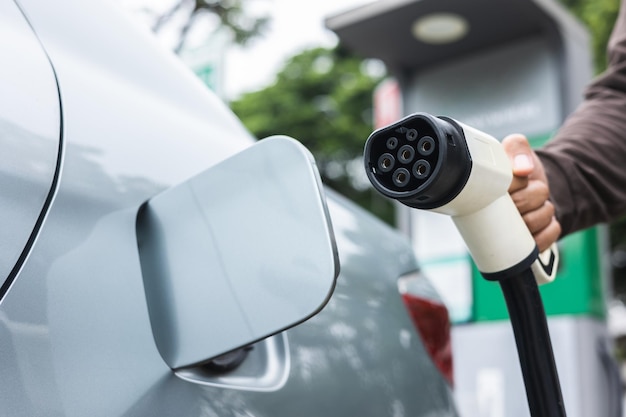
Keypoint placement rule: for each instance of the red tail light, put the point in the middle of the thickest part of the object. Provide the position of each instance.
(433, 324)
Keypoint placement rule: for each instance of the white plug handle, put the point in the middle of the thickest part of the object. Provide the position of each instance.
(496, 236)
(498, 239)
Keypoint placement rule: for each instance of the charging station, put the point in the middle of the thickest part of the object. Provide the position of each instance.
(502, 67)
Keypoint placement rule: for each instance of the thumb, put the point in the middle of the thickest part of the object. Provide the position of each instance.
(521, 155)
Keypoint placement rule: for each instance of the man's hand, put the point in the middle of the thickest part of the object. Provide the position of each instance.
(530, 192)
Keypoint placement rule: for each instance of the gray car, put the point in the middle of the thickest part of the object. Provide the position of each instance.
(142, 274)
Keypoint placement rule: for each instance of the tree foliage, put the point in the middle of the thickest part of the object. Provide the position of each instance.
(230, 14)
(598, 16)
(323, 98)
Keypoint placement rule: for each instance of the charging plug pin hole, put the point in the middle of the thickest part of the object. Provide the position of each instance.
(386, 162)
(426, 146)
(401, 177)
(406, 154)
(421, 169)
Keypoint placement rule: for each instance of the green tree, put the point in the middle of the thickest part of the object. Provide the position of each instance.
(598, 16)
(323, 98)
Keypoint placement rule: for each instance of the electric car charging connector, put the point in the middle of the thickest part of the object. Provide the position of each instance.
(442, 165)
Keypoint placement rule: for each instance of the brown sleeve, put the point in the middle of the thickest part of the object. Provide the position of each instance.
(586, 161)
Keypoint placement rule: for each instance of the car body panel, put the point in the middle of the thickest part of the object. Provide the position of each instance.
(30, 151)
(75, 333)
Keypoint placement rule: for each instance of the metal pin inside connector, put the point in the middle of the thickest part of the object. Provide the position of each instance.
(386, 162)
(426, 146)
(406, 154)
(421, 169)
(401, 177)
(411, 134)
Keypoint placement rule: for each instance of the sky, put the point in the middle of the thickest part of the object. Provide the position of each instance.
(295, 25)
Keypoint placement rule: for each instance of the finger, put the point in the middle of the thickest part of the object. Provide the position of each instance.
(517, 184)
(548, 235)
(520, 154)
(539, 219)
(531, 197)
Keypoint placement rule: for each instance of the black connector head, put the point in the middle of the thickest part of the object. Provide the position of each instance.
(422, 160)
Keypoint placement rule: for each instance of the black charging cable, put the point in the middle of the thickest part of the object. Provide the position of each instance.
(534, 347)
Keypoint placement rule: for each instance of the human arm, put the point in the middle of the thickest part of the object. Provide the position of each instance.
(585, 163)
